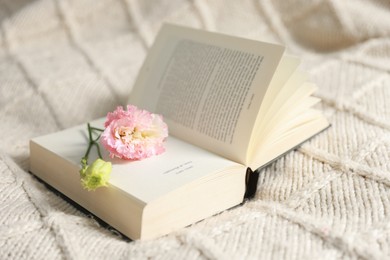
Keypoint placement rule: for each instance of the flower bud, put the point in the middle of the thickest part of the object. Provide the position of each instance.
(96, 175)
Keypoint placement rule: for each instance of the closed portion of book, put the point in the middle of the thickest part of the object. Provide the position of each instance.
(145, 198)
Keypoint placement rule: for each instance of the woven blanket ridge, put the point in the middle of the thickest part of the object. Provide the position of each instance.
(64, 62)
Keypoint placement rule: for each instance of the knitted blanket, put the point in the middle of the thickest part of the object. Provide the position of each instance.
(65, 62)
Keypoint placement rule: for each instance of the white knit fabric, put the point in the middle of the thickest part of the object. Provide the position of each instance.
(64, 62)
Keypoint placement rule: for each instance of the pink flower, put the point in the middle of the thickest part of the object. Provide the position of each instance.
(134, 134)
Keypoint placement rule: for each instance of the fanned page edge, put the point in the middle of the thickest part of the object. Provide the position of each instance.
(292, 137)
(287, 81)
(286, 69)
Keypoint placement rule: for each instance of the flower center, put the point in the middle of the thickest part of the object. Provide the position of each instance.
(124, 133)
(129, 134)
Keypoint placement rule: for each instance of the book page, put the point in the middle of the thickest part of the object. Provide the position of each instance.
(285, 71)
(208, 86)
(145, 180)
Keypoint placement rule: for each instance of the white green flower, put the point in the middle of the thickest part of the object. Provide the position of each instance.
(95, 175)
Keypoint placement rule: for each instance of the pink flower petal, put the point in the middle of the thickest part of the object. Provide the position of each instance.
(134, 134)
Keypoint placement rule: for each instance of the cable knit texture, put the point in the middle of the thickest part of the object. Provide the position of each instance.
(64, 62)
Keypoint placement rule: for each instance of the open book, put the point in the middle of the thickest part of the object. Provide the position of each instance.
(230, 104)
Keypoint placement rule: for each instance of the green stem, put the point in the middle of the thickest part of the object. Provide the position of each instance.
(97, 138)
(98, 150)
(89, 144)
(93, 141)
(97, 129)
(89, 132)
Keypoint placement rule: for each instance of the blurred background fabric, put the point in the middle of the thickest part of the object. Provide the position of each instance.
(64, 62)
